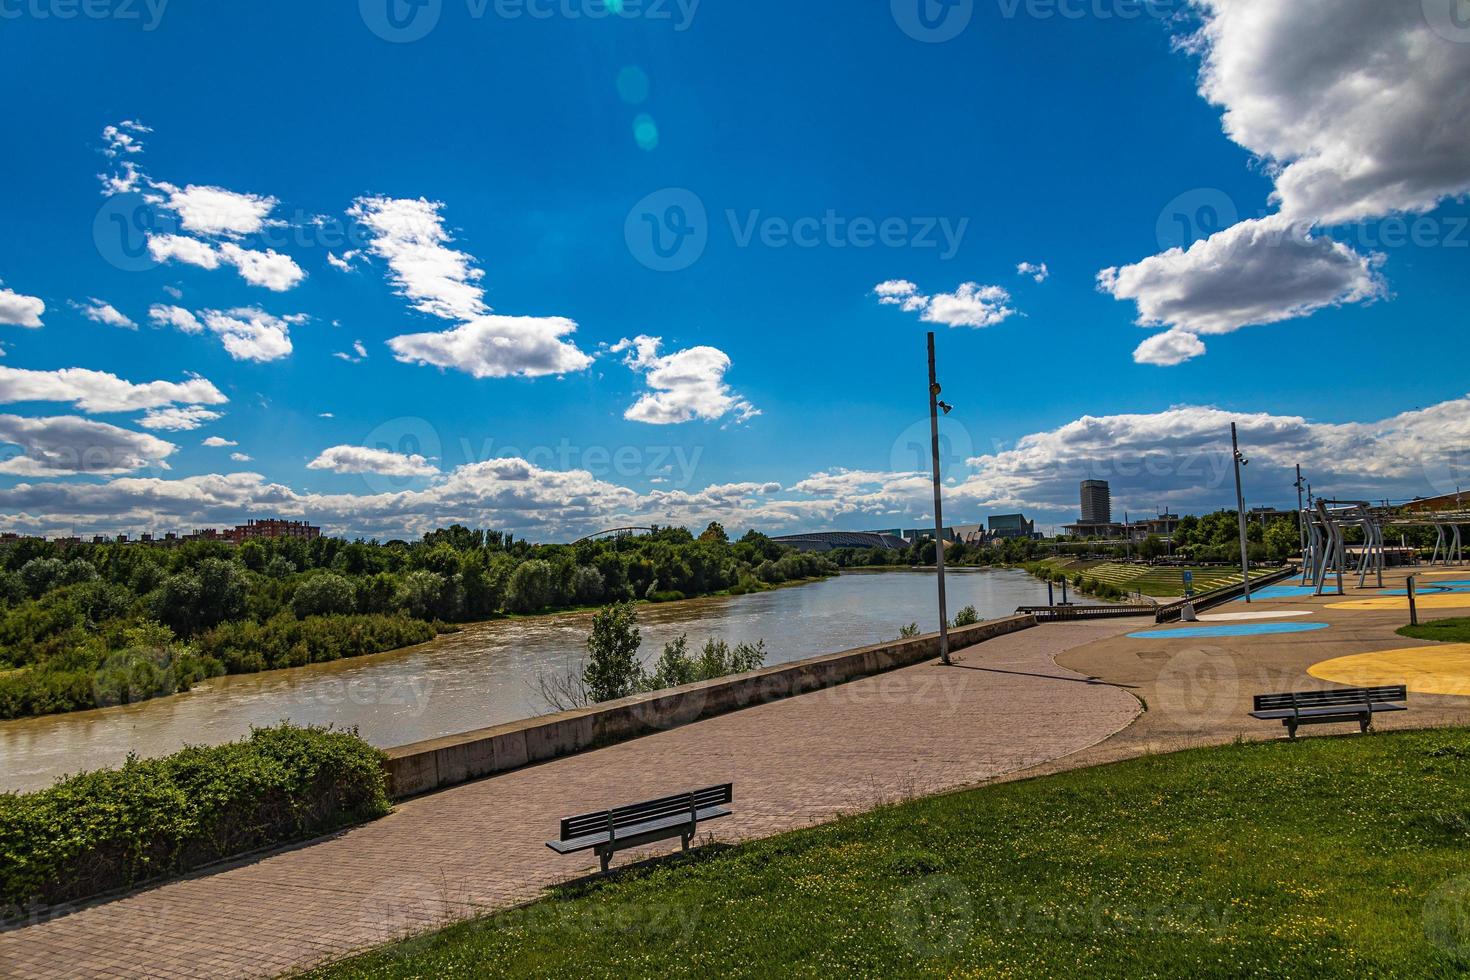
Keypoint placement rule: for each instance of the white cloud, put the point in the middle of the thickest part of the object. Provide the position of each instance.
(1169, 348)
(497, 347)
(410, 236)
(121, 143)
(175, 316)
(165, 248)
(1355, 109)
(68, 445)
(344, 262)
(251, 334)
(360, 353)
(360, 459)
(98, 391)
(17, 310)
(1356, 105)
(971, 305)
(269, 269)
(216, 212)
(181, 419)
(1258, 271)
(1036, 270)
(218, 442)
(105, 313)
(687, 384)
(241, 458)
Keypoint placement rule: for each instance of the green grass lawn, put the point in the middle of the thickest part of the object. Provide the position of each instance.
(1455, 630)
(1328, 857)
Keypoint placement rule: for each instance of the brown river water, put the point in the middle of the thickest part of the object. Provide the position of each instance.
(486, 674)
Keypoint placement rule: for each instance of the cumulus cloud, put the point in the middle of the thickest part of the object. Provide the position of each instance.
(1355, 109)
(410, 236)
(176, 317)
(971, 305)
(215, 212)
(17, 310)
(168, 248)
(98, 391)
(1169, 348)
(247, 333)
(269, 269)
(360, 459)
(495, 346)
(1036, 270)
(1255, 272)
(180, 419)
(68, 446)
(241, 458)
(685, 385)
(105, 313)
(251, 334)
(218, 442)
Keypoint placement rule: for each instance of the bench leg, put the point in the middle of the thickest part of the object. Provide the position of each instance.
(606, 859)
(1365, 723)
(1290, 728)
(685, 839)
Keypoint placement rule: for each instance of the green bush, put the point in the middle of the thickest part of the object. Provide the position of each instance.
(245, 647)
(114, 828)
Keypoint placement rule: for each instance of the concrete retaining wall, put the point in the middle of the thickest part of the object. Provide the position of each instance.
(434, 764)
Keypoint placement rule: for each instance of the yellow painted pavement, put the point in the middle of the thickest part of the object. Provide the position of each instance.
(1440, 669)
(1440, 600)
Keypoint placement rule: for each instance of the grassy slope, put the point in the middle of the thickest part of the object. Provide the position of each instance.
(1307, 859)
(1153, 581)
(1455, 630)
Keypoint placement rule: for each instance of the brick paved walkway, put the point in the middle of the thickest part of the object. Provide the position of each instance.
(480, 846)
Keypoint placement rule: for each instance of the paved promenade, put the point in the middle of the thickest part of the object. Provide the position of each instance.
(478, 847)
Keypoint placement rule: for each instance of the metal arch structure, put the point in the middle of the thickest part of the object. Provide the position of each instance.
(619, 531)
(1448, 535)
(1327, 546)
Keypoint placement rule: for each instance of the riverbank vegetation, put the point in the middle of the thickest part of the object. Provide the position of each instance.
(115, 828)
(1328, 857)
(85, 626)
(614, 669)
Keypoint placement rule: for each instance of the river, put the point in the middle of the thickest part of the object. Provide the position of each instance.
(486, 674)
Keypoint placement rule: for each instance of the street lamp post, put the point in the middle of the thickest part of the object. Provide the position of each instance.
(934, 406)
(1245, 562)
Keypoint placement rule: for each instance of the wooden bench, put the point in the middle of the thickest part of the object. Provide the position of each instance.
(1341, 704)
(609, 831)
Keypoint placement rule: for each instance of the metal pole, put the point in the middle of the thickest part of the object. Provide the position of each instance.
(1245, 562)
(1301, 518)
(934, 390)
(1413, 606)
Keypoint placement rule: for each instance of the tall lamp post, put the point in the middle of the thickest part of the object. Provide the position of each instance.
(934, 406)
(1245, 561)
(1301, 517)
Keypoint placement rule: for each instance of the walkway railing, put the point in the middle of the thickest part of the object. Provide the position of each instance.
(1205, 600)
(1058, 614)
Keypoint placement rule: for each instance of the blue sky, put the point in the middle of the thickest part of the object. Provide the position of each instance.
(310, 184)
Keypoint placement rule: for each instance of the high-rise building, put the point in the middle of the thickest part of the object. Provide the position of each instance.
(1097, 502)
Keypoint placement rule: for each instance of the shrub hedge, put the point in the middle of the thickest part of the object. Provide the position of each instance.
(245, 647)
(113, 828)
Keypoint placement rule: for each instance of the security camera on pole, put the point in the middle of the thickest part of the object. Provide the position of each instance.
(1245, 561)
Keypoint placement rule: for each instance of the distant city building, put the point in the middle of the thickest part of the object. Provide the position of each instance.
(1012, 526)
(829, 540)
(1091, 530)
(1097, 502)
(254, 530)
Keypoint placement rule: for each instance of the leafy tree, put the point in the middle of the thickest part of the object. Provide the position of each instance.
(41, 575)
(324, 595)
(715, 532)
(530, 588)
(612, 670)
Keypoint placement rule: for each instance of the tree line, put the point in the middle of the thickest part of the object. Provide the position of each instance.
(91, 625)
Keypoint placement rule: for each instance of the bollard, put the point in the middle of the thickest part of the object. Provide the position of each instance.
(1413, 607)
(1051, 596)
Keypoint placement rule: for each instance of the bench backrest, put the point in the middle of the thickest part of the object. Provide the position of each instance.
(636, 813)
(1340, 696)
